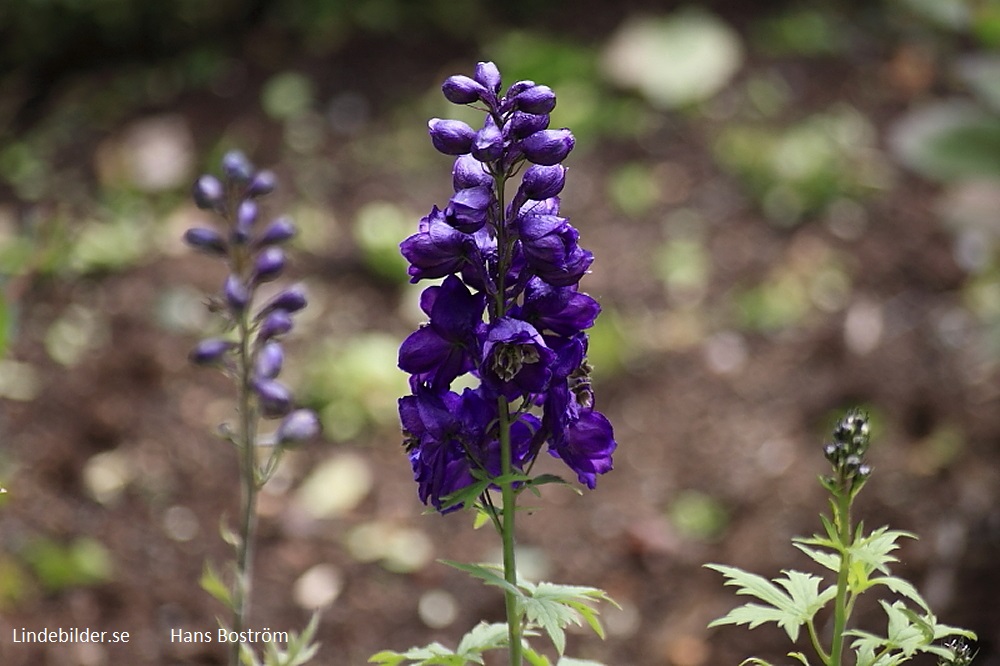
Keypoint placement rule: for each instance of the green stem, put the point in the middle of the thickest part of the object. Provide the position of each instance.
(841, 610)
(246, 446)
(508, 494)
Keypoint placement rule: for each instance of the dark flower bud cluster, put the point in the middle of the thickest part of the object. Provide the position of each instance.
(252, 250)
(962, 653)
(509, 311)
(847, 451)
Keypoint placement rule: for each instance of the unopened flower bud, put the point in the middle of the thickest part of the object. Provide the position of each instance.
(269, 265)
(275, 324)
(300, 425)
(451, 137)
(536, 99)
(523, 124)
(461, 89)
(270, 358)
(488, 142)
(542, 182)
(237, 167)
(274, 397)
(488, 75)
(469, 172)
(291, 300)
(211, 351)
(236, 292)
(208, 193)
(209, 241)
(263, 182)
(548, 147)
(278, 231)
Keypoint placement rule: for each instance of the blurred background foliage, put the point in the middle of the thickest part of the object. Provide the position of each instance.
(732, 163)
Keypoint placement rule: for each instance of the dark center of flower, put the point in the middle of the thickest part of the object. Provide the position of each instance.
(579, 385)
(509, 359)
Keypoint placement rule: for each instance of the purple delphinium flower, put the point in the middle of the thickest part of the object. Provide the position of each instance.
(253, 255)
(509, 311)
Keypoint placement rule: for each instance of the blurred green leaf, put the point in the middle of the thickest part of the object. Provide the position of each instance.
(697, 515)
(378, 229)
(634, 189)
(949, 140)
(82, 562)
(674, 60)
(286, 95)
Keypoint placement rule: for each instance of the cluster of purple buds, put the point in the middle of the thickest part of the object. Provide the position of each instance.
(253, 253)
(847, 451)
(508, 311)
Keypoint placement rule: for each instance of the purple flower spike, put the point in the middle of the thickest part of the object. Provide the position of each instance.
(211, 351)
(209, 241)
(509, 313)
(237, 167)
(548, 147)
(274, 397)
(451, 137)
(277, 232)
(297, 427)
(461, 89)
(208, 193)
(269, 265)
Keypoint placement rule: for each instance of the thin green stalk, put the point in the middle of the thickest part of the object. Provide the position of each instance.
(841, 611)
(512, 605)
(246, 439)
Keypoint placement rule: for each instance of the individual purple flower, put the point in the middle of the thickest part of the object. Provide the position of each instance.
(275, 324)
(438, 352)
(515, 358)
(551, 248)
(208, 193)
(588, 448)
(290, 300)
(276, 232)
(542, 182)
(469, 172)
(535, 99)
(562, 310)
(487, 145)
(270, 262)
(437, 249)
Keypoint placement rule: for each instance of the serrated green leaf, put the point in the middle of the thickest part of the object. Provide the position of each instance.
(212, 583)
(482, 637)
(552, 616)
(488, 573)
(828, 560)
(903, 588)
(789, 609)
(434, 654)
(798, 656)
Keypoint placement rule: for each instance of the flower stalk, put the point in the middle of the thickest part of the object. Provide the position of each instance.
(251, 355)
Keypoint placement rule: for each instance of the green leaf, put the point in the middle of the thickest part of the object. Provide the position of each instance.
(488, 573)
(481, 638)
(789, 608)
(467, 496)
(212, 583)
(569, 661)
(830, 561)
(554, 607)
(434, 654)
